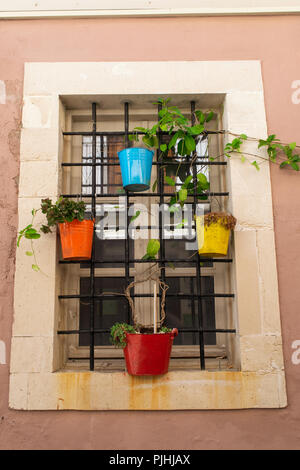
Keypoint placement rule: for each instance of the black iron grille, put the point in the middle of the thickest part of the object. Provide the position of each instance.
(89, 330)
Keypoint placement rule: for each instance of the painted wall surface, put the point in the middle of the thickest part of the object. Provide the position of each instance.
(272, 40)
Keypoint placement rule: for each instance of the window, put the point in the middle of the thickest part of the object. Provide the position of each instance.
(58, 92)
(198, 299)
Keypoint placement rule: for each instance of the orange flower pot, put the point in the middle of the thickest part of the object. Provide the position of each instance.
(77, 239)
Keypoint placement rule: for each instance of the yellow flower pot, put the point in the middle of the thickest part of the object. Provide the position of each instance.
(213, 238)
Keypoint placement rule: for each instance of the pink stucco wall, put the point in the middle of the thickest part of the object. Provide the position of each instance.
(275, 42)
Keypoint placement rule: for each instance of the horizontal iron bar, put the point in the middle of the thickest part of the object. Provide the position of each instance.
(112, 296)
(180, 330)
(103, 133)
(203, 260)
(153, 163)
(139, 195)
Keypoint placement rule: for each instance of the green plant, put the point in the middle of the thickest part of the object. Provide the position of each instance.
(183, 135)
(118, 334)
(63, 210)
(153, 248)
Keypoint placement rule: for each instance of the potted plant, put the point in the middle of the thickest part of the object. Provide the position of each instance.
(213, 233)
(76, 233)
(136, 165)
(145, 353)
(136, 162)
(147, 348)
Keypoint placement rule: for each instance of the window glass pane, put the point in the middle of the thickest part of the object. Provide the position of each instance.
(183, 313)
(107, 311)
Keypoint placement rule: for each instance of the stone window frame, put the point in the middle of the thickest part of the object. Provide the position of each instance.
(37, 354)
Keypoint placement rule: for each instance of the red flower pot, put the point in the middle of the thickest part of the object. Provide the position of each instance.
(77, 239)
(148, 354)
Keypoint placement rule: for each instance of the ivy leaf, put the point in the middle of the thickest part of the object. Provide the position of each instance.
(133, 137)
(181, 150)
(135, 216)
(189, 143)
(255, 164)
(32, 234)
(169, 181)
(187, 181)
(209, 116)
(203, 183)
(173, 140)
(200, 116)
(183, 194)
(163, 147)
(153, 248)
(295, 166)
(35, 267)
(196, 130)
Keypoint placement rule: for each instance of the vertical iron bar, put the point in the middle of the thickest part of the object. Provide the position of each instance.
(127, 279)
(193, 308)
(102, 168)
(160, 186)
(92, 264)
(198, 265)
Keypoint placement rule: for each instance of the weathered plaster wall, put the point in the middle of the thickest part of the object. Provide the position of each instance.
(272, 40)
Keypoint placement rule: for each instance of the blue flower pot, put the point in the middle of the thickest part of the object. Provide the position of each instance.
(136, 165)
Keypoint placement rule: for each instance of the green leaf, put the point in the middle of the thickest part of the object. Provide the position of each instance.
(181, 149)
(202, 179)
(153, 248)
(209, 116)
(154, 186)
(32, 234)
(295, 166)
(187, 181)
(255, 164)
(243, 136)
(28, 253)
(200, 116)
(243, 159)
(173, 208)
(135, 216)
(292, 145)
(196, 130)
(163, 147)
(189, 143)
(181, 224)
(35, 267)
(262, 143)
(148, 140)
(173, 140)
(169, 181)
(133, 137)
(183, 194)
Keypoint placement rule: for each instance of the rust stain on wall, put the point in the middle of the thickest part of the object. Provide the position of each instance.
(151, 393)
(74, 391)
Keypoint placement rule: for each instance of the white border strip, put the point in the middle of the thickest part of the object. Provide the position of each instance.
(171, 12)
